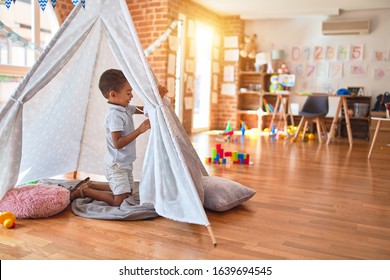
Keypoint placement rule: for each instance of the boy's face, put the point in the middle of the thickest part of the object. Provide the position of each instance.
(123, 96)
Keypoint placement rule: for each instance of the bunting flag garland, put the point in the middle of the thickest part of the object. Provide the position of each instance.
(8, 3)
(16, 38)
(161, 39)
(43, 4)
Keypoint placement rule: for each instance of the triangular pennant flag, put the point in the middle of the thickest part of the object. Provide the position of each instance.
(54, 3)
(42, 3)
(82, 3)
(8, 3)
(75, 2)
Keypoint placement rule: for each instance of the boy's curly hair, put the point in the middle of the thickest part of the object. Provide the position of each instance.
(111, 79)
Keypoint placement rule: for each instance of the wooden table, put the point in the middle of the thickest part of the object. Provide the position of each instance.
(282, 101)
(378, 126)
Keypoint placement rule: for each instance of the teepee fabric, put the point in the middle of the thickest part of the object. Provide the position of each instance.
(53, 123)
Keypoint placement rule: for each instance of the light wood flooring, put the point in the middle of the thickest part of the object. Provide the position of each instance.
(313, 202)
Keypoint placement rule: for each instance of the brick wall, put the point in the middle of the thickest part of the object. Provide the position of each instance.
(152, 17)
(63, 8)
(227, 105)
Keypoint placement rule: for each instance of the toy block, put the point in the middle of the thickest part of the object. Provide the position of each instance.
(213, 152)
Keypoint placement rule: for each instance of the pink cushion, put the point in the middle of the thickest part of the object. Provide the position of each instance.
(35, 201)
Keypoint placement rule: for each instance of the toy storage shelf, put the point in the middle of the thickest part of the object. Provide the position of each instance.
(360, 124)
(250, 98)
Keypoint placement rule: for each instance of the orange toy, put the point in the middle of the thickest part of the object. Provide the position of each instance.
(7, 219)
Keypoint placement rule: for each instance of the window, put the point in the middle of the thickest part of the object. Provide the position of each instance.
(26, 19)
(202, 93)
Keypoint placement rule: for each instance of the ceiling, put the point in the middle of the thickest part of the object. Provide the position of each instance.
(266, 9)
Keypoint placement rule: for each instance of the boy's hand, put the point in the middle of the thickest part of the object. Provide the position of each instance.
(144, 126)
(162, 90)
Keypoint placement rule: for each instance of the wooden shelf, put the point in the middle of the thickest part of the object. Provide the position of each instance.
(360, 125)
(250, 92)
(249, 112)
(251, 73)
(250, 101)
(359, 118)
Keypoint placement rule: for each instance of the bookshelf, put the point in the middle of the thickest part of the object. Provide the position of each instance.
(252, 96)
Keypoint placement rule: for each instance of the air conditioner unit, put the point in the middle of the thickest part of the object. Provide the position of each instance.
(345, 27)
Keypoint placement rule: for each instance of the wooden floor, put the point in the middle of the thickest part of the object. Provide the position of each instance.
(312, 202)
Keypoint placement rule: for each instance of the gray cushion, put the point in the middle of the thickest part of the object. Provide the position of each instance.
(221, 194)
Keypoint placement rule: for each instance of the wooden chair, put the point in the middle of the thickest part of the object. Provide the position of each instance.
(314, 110)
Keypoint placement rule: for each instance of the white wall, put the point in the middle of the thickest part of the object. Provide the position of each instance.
(306, 32)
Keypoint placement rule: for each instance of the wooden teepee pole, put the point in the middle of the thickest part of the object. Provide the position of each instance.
(212, 235)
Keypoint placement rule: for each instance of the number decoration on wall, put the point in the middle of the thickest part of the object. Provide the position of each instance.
(327, 61)
(330, 53)
(307, 53)
(357, 52)
(310, 70)
(342, 53)
(295, 53)
(318, 53)
(323, 69)
(299, 70)
(336, 69)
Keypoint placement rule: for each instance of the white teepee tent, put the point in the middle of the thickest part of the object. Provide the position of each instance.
(53, 123)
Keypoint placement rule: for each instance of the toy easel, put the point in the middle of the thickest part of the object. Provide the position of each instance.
(283, 105)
